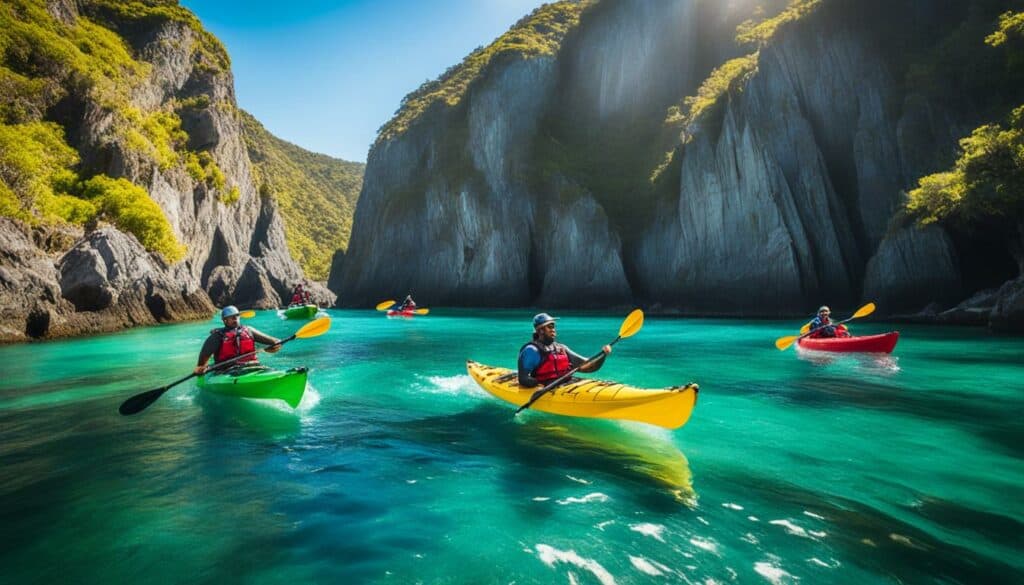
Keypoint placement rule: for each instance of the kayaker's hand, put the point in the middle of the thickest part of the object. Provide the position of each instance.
(200, 370)
(606, 349)
(273, 348)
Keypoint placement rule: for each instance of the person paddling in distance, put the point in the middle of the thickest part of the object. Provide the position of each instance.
(233, 340)
(299, 296)
(408, 304)
(544, 360)
(822, 325)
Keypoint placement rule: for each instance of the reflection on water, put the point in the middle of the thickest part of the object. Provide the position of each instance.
(869, 363)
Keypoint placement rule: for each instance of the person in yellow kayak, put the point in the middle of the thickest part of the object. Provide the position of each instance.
(822, 326)
(233, 340)
(543, 360)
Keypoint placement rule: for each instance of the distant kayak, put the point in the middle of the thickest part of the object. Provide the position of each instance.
(301, 312)
(668, 407)
(883, 343)
(258, 382)
(405, 313)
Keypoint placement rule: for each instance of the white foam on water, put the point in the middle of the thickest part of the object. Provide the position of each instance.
(773, 574)
(834, 564)
(601, 525)
(791, 528)
(813, 515)
(704, 544)
(655, 531)
(749, 537)
(578, 480)
(732, 506)
(541, 499)
(411, 481)
(310, 398)
(594, 497)
(550, 556)
(753, 518)
(703, 521)
(458, 385)
(572, 578)
(644, 566)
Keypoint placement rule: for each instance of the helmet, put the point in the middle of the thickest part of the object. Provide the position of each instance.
(229, 311)
(541, 319)
(823, 309)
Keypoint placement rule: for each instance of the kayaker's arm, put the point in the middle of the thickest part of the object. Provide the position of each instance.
(271, 342)
(576, 360)
(529, 359)
(209, 348)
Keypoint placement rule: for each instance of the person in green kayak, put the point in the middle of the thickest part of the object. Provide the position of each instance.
(543, 360)
(232, 340)
(821, 325)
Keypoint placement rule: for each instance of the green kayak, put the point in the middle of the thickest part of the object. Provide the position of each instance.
(301, 312)
(258, 382)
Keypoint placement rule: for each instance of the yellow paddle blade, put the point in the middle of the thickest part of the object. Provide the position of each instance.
(314, 328)
(864, 311)
(385, 305)
(421, 311)
(784, 342)
(806, 328)
(634, 321)
(247, 314)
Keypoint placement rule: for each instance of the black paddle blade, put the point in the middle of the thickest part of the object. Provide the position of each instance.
(140, 402)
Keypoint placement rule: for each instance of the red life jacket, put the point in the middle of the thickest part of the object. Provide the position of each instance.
(553, 364)
(296, 299)
(236, 342)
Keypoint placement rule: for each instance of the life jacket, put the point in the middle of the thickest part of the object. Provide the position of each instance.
(553, 364)
(296, 299)
(236, 342)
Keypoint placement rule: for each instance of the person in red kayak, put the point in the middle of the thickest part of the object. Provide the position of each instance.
(543, 360)
(821, 325)
(299, 296)
(233, 340)
(407, 305)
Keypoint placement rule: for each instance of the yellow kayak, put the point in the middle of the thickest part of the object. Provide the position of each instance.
(667, 407)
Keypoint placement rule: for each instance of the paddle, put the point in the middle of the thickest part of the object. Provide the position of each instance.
(385, 305)
(421, 311)
(634, 321)
(140, 402)
(783, 343)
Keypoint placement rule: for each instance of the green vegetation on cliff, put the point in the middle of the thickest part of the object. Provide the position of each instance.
(985, 186)
(316, 194)
(540, 33)
(88, 60)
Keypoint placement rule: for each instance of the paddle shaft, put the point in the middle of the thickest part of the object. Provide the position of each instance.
(813, 331)
(536, 395)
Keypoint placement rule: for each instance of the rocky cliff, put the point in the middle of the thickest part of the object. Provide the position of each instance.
(164, 118)
(546, 182)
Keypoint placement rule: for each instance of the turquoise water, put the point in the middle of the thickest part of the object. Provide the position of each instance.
(397, 468)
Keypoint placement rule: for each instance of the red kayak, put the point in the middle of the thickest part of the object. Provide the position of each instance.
(883, 343)
(405, 313)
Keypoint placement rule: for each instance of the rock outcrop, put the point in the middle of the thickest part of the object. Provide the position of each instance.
(533, 188)
(235, 242)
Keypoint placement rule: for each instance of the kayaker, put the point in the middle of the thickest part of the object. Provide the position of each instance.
(822, 325)
(408, 304)
(231, 340)
(299, 296)
(543, 360)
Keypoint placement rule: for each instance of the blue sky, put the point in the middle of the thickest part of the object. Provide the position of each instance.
(326, 74)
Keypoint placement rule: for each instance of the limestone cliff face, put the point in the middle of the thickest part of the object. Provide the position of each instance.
(533, 189)
(104, 280)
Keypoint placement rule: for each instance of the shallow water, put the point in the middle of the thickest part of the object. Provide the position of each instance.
(397, 468)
